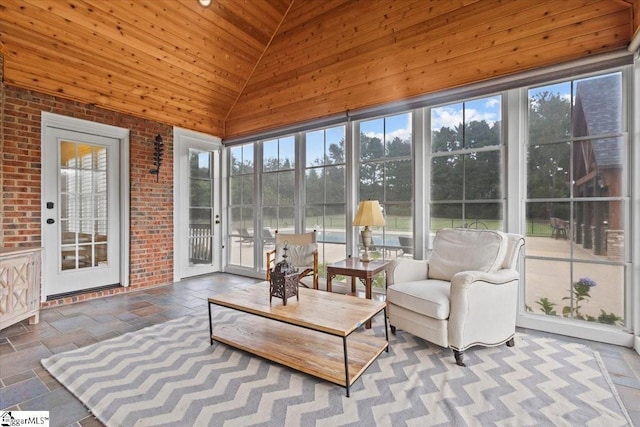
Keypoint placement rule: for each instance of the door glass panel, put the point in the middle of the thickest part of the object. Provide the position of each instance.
(201, 207)
(83, 201)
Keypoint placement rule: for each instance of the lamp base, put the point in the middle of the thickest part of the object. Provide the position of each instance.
(366, 242)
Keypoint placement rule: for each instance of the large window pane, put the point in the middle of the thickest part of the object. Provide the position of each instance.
(597, 105)
(325, 196)
(270, 189)
(548, 170)
(576, 208)
(386, 175)
(335, 184)
(593, 292)
(549, 113)
(470, 179)
(447, 178)
(286, 188)
(371, 181)
(270, 161)
(399, 182)
(241, 211)
(598, 230)
(598, 167)
(548, 282)
(483, 175)
(446, 124)
(446, 215)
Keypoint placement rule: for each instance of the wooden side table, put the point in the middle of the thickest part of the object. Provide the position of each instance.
(353, 267)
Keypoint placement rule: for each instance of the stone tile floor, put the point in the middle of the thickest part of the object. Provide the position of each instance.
(25, 385)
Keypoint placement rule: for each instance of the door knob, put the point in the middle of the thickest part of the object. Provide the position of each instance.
(50, 221)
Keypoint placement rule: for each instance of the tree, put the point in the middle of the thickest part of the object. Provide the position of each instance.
(462, 175)
(549, 154)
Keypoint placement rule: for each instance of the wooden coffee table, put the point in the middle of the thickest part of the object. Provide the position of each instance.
(313, 335)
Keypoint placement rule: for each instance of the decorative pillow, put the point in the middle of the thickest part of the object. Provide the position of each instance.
(297, 255)
(456, 250)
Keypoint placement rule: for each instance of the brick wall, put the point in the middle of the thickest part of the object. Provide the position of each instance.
(615, 244)
(151, 204)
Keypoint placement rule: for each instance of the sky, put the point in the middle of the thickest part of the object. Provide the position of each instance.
(488, 109)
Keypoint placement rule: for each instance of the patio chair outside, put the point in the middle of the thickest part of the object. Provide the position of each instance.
(245, 236)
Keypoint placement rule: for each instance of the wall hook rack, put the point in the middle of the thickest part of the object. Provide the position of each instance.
(157, 157)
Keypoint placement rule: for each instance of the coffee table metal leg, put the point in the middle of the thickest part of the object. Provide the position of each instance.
(210, 327)
(346, 364)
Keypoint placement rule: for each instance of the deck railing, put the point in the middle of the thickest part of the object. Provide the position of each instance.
(200, 240)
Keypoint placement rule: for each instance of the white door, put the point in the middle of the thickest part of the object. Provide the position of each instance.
(81, 211)
(198, 221)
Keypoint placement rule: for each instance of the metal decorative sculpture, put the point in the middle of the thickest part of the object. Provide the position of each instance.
(157, 157)
(284, 279)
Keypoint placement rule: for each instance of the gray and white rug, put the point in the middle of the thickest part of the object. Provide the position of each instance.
(168, 374)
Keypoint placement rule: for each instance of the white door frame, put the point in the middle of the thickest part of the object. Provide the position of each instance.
(186, 138)
(50, 121)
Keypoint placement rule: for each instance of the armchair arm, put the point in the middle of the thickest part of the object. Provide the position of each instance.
(483, 308)
(407, 270)
(464, 279)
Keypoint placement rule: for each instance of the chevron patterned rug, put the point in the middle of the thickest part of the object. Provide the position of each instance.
(168, 374)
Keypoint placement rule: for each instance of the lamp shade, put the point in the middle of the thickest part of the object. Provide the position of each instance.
(369, 213)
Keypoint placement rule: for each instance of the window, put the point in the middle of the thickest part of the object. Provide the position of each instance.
(325, 204)
(467, 165)
(386, 175)
(241, 233)
(278, 187)
(576, 201)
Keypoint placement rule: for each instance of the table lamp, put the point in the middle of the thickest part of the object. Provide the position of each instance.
(369, 214)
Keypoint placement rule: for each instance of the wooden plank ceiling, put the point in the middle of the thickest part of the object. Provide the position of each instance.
(242, 66)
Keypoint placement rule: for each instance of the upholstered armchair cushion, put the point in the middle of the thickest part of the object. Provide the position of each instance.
(426, 297)
(456, 250)
(297, 255)
(407, 270)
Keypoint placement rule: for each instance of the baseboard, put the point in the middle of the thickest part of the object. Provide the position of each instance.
(81, 292)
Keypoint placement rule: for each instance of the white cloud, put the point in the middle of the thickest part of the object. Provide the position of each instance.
(403, 134)
(450, 117)
(445, 117)
(492, 102)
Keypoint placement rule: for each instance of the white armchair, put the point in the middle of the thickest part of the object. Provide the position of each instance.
(464, 295)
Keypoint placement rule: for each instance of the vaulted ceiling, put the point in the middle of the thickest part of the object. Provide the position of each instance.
(243, 66)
